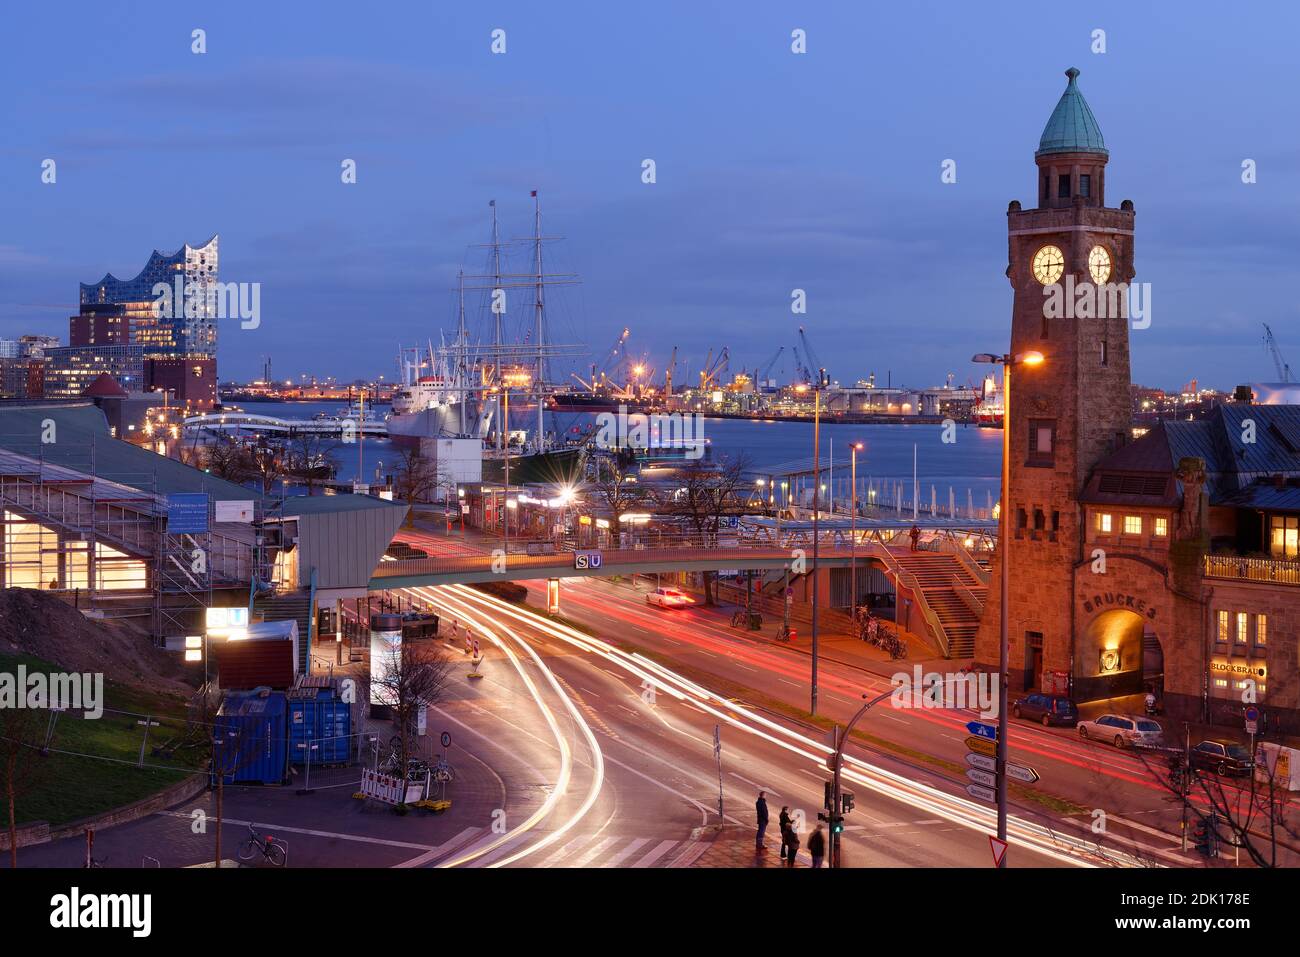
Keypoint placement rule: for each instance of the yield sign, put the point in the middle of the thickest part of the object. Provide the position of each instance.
(999, 850)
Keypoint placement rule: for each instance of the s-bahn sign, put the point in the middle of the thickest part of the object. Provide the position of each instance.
(586, 559)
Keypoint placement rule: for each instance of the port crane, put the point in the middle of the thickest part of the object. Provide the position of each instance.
(810, 355)
(1270, 343)
(765, 371)
(668, 373)
(713, 368)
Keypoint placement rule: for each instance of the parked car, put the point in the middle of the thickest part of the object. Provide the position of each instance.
(1123, 730)
(1048, 708)
(668, 598)
(1221, 756)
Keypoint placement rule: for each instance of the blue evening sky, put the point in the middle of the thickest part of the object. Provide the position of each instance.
(775, 170)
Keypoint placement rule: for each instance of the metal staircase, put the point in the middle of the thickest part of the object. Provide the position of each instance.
(950, 590)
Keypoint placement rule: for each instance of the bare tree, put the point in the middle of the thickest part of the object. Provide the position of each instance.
(407, 678)
(308, 459)
(225, 459)
(415, 479)
(22, 733)
(267, 462)
(616, 489)
(704, 493)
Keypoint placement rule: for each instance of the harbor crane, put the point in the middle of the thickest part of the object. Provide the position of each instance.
(1270, 343)
(713, 368)
(814, 361)
(765, 371)
(668, 373)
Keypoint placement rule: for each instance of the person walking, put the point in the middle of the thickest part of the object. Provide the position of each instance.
(760, 812)
(783, 822)
(817, 846)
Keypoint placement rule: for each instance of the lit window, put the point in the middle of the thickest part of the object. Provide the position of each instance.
(1261, 629)
(1242, 621)
(1103, 522)
(1223, 626)
(1162, 527)
(1284, 536)
(1220, 682)
(1132, 524)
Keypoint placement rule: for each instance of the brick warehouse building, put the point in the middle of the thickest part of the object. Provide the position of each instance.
(1170, 560)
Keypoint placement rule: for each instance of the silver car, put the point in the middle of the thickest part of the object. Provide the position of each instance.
(1122, 730)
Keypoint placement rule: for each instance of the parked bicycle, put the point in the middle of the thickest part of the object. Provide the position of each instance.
(747, 619)
(784, 633)
(272, 850)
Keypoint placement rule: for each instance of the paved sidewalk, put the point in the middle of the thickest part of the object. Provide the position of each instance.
(733, 846)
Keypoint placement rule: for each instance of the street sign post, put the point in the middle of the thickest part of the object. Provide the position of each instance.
(983, 793)
(1252, 719)
(982, 761)
(1021, 773)
(987, 778)
(982, 746)
(982, 730)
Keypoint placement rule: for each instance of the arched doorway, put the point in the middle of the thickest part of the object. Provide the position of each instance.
(1111, 658)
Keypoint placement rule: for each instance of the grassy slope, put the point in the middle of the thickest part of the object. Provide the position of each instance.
(66, 787)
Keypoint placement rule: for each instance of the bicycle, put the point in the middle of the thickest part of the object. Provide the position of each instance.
(783, 634)
(272, 850)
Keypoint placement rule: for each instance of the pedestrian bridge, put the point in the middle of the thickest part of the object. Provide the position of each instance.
(246, 422)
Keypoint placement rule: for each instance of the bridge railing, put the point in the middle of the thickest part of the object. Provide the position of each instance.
(611, 560)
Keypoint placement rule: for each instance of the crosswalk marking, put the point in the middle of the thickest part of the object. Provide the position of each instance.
(694, 850)
(627, 852)
(593, 853)
(660, 850)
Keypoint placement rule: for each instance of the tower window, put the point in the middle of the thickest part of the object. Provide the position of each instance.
(1261, 629)
(1242, 625)
(1063, 187)
(1132, 524)
(1104, 522)
(1104, 355)
(1162, 527)
(1042, 441)
(1021, 521)
(1223, 626)
(1085, 184)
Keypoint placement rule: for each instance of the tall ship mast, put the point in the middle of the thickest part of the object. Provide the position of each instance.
(459, 389)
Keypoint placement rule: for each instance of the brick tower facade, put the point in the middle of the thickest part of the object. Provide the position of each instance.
(1066, 260)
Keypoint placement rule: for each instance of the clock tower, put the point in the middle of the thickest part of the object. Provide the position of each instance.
(1070, 260)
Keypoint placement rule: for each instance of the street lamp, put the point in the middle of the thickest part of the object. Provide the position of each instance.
(817, 475)
(520, 378)
(854, 449)
(1004, 535)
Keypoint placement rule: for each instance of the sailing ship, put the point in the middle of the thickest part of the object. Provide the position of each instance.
(464, 389)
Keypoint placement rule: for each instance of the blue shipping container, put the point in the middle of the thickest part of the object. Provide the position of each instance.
(323, 721)
(252, 729)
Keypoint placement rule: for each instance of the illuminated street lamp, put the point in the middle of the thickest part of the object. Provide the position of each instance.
(817, 474)
(518, 378)
(1004, 536)
(854, 449)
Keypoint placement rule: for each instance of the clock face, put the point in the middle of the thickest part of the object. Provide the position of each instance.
(1099, 264)
(1049, 264)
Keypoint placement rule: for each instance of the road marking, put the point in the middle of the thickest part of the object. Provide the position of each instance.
(746, 667)
(588, 691)
(754, 784)
(703, 652)
(659, 851)
(464, 837)
(553, 859)
(627, 852)
(592, 853)
(892, 717)
(789, 682)
(694, 851)
(360, 839)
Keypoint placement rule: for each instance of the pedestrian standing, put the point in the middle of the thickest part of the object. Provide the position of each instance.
(915, 535)
(783, 822)
(793, 851)
(760, 812)
(817, 846)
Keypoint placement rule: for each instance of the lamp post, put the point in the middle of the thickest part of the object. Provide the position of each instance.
(1004, 535)
(522, 379)
(854, 449)
(817, 476)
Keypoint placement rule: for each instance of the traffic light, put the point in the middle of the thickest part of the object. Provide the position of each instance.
(1205, 835)
(837, 824)
(829, 801)
(846, 802)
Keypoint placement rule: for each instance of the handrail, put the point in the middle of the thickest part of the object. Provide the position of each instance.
(981, 575)
(909, 580)
(1278, 571)
(969, 598)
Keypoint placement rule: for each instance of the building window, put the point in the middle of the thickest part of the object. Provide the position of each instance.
(1132, 524)
(1104, 522)
(1085, 184)
(1063, 187)
(1243, 621)
(1223, 627)
(1104, 356)
(1284, 536)
(1056, 526)
(1042, 441)
(1040, 522)
(1261, 629)
(1021, 521)
(1161, 527)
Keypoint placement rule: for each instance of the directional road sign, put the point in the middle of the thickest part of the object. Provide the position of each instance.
(982, 745)
(982, 761)
(989, 731)
(982, 777)
(981, 792)
(1022, 773)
